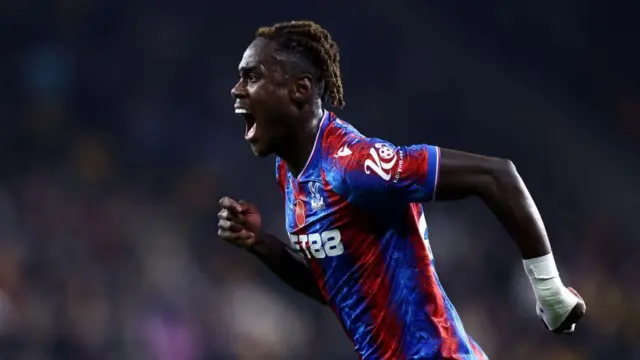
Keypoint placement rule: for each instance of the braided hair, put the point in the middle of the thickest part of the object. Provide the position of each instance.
(313, 44)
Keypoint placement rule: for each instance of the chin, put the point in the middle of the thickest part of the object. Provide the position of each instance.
(260, 151)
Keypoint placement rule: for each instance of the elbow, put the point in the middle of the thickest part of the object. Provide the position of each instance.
(505, 170)
(463, 175)
(503, 180)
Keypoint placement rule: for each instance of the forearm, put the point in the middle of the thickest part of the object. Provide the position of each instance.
(509, 199)
(499, 185)
(286, 266)
(511, 202)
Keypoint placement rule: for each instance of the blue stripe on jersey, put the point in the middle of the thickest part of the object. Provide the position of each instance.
(345, 292)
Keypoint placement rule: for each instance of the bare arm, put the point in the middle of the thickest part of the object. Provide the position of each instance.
(499, 185)
(286, 265)
(239, 224)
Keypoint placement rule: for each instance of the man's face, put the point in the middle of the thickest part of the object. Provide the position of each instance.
(262, 97)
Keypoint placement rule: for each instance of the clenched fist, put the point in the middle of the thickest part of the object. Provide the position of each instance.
(239, 222)
(559, 321)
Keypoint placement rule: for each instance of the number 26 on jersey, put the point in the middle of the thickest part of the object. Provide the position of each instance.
(318, 245)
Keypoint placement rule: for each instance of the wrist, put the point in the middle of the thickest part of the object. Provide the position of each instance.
(259, 241)
(548, 288)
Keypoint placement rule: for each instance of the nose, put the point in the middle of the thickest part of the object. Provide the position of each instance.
(239, 90)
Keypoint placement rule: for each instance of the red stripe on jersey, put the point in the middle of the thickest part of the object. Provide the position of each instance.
(376, 289)
(281, 175)
(436, 304)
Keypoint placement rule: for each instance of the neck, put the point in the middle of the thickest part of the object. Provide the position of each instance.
(298, 149)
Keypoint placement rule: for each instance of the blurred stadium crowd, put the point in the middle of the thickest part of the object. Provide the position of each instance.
(117, 138)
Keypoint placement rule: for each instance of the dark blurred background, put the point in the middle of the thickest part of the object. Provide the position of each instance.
(117, 137)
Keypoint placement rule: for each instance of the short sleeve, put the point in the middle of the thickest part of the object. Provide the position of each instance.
(372, 168)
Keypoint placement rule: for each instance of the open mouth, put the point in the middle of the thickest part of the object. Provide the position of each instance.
(250, 120)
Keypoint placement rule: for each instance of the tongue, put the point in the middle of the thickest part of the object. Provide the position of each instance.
(251, 132)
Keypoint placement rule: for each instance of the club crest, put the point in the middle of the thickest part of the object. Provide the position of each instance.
(317, 201)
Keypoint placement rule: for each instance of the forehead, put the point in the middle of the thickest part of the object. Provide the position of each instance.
(259, 54)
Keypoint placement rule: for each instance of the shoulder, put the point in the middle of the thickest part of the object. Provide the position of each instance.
(344, 144)
(344, 149)
(339, 134)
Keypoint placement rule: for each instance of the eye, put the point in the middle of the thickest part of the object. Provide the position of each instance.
(252, 78)
(249, 76)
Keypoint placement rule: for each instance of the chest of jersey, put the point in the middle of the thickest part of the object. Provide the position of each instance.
(314, 218)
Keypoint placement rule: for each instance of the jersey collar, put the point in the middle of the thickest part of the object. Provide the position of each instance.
(317, 146)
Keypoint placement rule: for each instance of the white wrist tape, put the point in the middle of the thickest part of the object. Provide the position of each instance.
(555, 301)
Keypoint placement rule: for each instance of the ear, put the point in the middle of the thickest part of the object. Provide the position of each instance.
(302, 89)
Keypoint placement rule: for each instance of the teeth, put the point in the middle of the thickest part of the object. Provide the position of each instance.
(242, 111)
(251, 132)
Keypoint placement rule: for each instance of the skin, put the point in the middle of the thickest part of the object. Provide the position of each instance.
(287, 112)
(285, 107)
